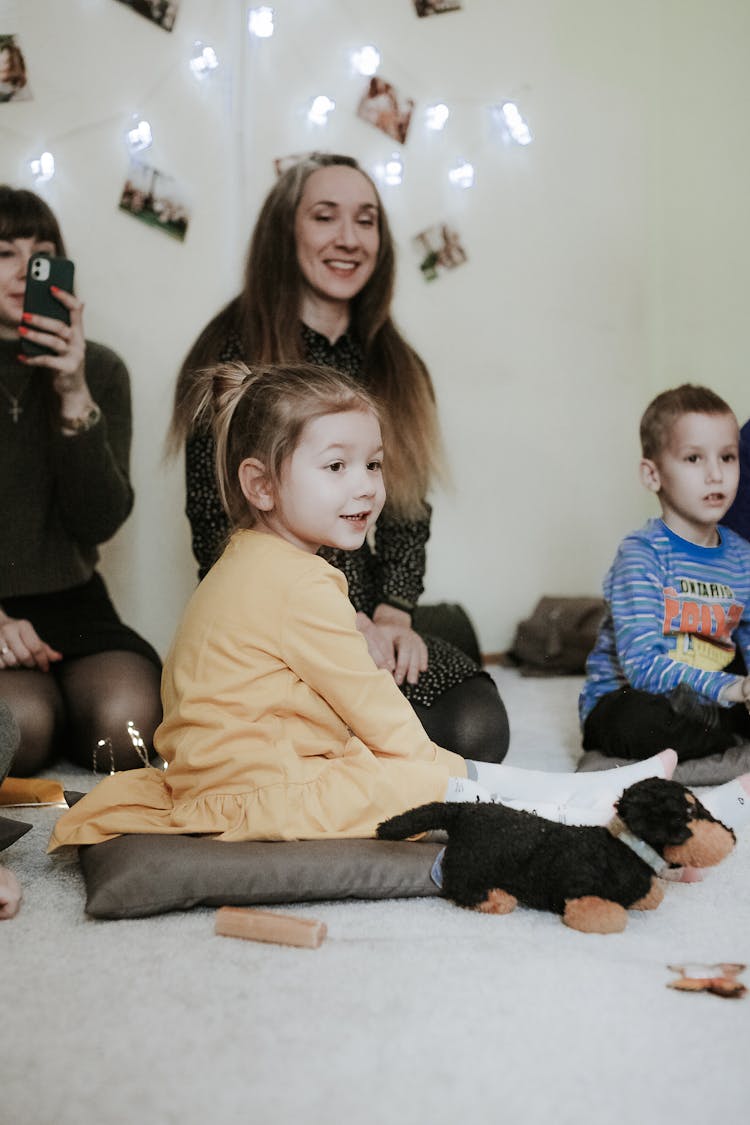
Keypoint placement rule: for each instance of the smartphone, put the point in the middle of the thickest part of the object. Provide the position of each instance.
(43, 272)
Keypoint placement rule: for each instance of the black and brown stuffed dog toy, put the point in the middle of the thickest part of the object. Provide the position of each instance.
(497, 857)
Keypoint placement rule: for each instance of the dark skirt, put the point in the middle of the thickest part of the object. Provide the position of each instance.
(447, 666)
(80, 621)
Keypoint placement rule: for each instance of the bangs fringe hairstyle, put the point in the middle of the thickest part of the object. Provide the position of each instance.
(24, 215)
(261, 412)
(660, 415)
(265, 317)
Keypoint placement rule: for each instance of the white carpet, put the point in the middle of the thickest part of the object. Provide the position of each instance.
(410, 1012)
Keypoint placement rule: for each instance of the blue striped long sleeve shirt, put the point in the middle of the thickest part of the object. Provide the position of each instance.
(676, 613)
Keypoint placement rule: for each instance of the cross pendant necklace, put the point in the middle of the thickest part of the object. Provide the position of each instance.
(16, 410)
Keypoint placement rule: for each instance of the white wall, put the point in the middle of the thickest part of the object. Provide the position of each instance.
(606, 260)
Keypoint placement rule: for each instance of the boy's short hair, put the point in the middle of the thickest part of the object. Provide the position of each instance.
(660, 415)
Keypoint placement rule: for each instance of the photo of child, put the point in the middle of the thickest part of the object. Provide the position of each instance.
(382, 107)
(14, 85)
(439, 249)
(163, 12)
(155, 199)
(435, 7)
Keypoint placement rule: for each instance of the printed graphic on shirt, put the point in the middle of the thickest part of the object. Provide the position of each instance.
(701, 616)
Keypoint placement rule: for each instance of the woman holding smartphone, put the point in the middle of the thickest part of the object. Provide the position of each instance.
(72, 674)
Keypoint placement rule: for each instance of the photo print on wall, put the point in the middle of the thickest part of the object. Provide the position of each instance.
(438, 249)
(435, 7)
(282, 164)
(162, 12)
(155, 199)
(14, 84)
(381, 106)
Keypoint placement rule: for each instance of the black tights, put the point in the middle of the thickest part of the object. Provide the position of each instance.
(470, 719)
(78, 702)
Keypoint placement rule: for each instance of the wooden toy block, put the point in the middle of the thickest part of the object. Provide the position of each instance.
(262, 925)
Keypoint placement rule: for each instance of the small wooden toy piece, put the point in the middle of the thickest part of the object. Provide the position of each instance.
(262, 925)
(720, 979)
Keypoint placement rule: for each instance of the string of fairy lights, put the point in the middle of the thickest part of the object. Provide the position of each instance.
(204, 62)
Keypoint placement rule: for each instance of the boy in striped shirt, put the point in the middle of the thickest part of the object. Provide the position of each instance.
(669, 668)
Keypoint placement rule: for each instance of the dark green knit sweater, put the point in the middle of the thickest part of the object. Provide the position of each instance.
(60, 496)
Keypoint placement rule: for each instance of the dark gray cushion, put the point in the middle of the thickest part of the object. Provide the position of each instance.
(132, 876)
(10, 831)
(713, 770)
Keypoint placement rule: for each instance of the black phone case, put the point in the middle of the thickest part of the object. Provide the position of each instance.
(43, 272)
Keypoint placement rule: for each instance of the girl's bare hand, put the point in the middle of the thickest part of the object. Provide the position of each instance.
(378, 646)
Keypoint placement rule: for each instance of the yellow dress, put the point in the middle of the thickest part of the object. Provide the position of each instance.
(277, 724)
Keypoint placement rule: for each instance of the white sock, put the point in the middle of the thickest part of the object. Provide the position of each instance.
(596, 814)
(581, 790)
(730, 803)
(464, 789)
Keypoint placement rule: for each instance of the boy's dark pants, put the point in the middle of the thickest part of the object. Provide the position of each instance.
(636, 724)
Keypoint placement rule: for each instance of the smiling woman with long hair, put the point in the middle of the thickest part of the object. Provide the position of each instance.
(318, 287)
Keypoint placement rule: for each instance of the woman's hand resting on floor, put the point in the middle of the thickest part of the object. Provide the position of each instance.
(10, 893)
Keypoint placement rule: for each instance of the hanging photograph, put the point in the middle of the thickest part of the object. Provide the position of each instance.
(163, 12)
(14, 85)
(435, 7)
(438, 248)
(155, 199)
(282, 164)
(382, 107)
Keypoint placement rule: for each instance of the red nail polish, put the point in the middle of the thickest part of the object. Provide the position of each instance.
(22, 331)
(21, 358)
(54, 289)
(26, 316)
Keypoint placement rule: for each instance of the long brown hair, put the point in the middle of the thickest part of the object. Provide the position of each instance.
(265, 317)
(261, 412)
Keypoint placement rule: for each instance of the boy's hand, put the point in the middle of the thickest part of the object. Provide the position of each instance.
(745, 684)
(738, 692)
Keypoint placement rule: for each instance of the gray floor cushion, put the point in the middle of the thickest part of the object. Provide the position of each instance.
(133, 876)
(713, 770)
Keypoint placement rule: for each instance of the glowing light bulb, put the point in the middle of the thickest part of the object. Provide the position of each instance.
(393, 171)
(203, 60)
(319, 110)
(511, 114)
(436, 116)
(260, 22)
(462, 174)
(366, 60)
(139, 135)
(513, 124)
(42, 168)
